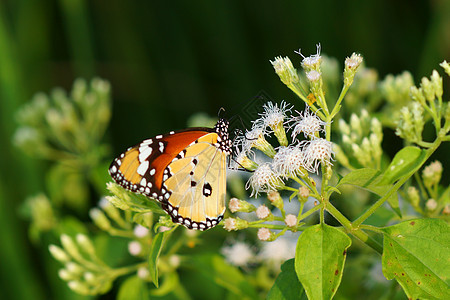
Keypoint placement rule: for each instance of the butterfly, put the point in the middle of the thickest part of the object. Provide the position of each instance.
(184, 170)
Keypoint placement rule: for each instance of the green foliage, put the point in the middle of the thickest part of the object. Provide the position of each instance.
(287, 285)
(131, 244)
(319, 260)
(416, 253)
(155, 250)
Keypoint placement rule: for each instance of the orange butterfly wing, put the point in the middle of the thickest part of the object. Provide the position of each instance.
(158, 168)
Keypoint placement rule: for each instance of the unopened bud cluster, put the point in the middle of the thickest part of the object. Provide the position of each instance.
(427, 100)
(361, 141)
(313, 73)
(58, 125)
(83, 270)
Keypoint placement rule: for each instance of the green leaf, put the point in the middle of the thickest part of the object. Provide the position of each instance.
(170, 282)
(126, 200)
(319, 260)
(286, 285)
(155, 250)
(371, 180)
(417, 254)
(66, 185)
(229, 277)
(133, 288)
(405, 162)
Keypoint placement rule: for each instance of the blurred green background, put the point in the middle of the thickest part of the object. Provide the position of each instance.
(169, 60)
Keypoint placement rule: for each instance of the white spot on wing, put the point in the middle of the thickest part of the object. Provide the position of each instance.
(144, 153)
(113, 169)
(143, 168)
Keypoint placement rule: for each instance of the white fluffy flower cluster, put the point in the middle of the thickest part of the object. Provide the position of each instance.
(304, 154)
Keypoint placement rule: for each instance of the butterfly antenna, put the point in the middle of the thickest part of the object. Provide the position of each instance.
(243, 168)
(220, 111)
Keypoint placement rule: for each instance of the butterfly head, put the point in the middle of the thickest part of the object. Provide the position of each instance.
(221, 128)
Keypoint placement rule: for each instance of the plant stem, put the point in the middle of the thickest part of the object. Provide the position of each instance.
(309, 212)
(397, 185)
(356, 232)
(338, 102)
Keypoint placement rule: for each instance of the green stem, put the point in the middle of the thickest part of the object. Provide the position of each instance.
(125, 270)
(396, 186)
(121, 233)
(356, 232)
(422, 189)
(309, 212)
(337, 106)
(371, 228)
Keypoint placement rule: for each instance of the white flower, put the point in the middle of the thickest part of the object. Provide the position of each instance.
(353, 61)
(273, 115)
(306, 122)
(311, 62)
(303, 191)
(238, 254)
(143, 273)
(140, 231)
(264, 179)
(288, 162)
(262, 212)
(290, 220)
(243, 161)
(135, 248)
(313, 75)
(255, 138)
(234, 205)
(317, 151)
(278, 251)
(264, 234)
(230, 224)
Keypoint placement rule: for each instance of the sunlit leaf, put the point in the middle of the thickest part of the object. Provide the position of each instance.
(319, 260)
(371, 180)
(404, 163)
(417, 254)
(155, 250)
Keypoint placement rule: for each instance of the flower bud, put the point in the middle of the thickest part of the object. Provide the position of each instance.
(100, 219)
(446, 67)
(58, 253)
(290, 220)
(236, 205)
(432, 174)
(413, 195)
(79, 287)
(276, 200)
(262, 212)
(266, 235)
(436, 80)
(428, 89)
(285, 70)
(70, 247)
(85, 244)
(431, 204)
(234, 224)
(351, 66)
